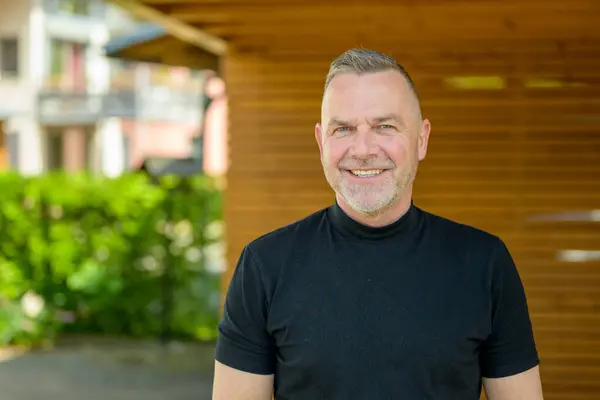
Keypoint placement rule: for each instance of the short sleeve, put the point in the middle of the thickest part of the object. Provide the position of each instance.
(243, 342)
(510, 347)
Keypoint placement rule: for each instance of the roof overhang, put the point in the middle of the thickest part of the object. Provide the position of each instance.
(283, 30)
(166, 40)
(153, 43)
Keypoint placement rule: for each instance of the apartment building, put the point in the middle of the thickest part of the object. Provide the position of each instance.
(64, 105)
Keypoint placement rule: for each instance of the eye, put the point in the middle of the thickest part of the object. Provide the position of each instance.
(387, 127)
(341, 130)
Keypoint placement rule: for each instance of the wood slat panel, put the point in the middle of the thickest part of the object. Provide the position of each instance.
(497, 157)
(276, 27)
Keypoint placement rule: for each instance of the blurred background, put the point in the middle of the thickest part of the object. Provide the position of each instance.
(143, 143)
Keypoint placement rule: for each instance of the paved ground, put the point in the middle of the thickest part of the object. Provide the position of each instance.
(86, 369)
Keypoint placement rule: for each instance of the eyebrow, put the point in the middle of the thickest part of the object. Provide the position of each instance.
(388, 117)
(335, 122)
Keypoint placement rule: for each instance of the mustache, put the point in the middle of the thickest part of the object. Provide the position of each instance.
(357, 163)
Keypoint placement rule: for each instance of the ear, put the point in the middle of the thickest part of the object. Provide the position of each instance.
(424, 138)
(319, 137)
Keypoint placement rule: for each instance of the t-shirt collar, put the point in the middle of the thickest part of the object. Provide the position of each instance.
(347, 225)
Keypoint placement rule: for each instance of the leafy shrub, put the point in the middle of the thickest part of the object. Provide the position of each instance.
(123, 256)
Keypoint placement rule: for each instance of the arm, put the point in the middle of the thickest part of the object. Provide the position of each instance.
(509, 358)
(245, 353)
(522, 386)
(230, 384)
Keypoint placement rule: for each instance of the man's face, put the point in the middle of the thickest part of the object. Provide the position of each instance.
(371, 138)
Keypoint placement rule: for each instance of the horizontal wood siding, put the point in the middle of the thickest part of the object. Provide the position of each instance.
(497, 159)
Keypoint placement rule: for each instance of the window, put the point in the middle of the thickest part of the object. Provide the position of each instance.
(79, 144)
(67, 65)
(57, 57)
(9, 57)
(79, 8)
(74, 7)
(122, 75)
(55, 150)
(12, 145)
(92, 157)
(126, 151)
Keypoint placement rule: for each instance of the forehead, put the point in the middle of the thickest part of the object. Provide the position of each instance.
(351, 95)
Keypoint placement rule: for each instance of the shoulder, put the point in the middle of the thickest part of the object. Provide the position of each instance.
(279, 242)
(272, 253)
(466, 246)
(461, 235)
(472, 250)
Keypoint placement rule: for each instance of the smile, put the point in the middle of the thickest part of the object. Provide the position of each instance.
(366, 173)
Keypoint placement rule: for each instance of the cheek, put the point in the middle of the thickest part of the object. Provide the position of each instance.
(399, 151)
(333, 152)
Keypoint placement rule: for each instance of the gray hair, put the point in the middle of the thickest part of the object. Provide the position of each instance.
(363, 61)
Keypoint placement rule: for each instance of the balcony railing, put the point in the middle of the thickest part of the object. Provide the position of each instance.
(121, 104)
(63, 108)
(69, 108)
(77, 8)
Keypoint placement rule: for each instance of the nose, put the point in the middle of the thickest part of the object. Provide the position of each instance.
(364, 143)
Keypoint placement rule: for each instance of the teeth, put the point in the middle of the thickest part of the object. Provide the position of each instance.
(366, 173)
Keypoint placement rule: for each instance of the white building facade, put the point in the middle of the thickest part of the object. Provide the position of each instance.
(59, 106)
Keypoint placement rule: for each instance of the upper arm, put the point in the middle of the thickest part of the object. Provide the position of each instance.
(522, 386)
(509, 357)
(245, 353)
(233, 384)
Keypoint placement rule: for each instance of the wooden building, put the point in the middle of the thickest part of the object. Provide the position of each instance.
(512, 88)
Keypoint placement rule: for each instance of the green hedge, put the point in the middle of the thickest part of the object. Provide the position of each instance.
(97, 255)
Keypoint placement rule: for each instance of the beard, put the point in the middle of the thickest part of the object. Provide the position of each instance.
(370, 198)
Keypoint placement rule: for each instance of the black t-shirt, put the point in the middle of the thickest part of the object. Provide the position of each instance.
(420, 309)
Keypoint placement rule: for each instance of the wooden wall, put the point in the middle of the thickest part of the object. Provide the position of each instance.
(497, 158)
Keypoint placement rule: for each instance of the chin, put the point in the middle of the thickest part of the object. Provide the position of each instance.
(369, 206)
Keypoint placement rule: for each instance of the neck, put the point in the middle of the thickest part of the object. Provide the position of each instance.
(386, 217)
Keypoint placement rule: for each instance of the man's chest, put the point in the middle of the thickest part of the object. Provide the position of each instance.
(348, 321)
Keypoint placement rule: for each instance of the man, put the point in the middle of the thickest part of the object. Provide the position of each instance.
(374, 298)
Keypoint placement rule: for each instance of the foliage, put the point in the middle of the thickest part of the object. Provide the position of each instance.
(123, 256)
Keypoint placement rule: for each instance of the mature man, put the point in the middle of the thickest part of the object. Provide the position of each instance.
(372, 297)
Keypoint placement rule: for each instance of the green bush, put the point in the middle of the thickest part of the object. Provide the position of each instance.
(123, 256)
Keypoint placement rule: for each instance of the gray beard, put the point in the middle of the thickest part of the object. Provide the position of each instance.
(379, 207)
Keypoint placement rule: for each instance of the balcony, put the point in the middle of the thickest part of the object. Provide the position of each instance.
(135, 91)
(69, 108)
(153, 105)
(93, 9)
(74, 108)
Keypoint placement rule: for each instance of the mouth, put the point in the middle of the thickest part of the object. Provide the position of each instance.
(366, 173)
